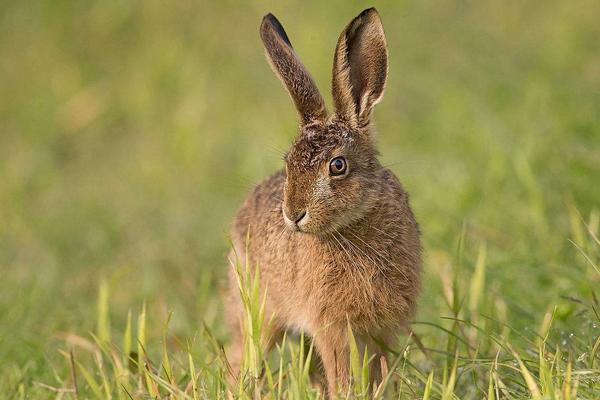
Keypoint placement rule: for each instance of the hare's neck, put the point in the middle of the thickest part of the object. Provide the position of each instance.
(370, 223)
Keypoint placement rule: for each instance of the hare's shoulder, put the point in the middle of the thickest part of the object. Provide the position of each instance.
(269, 192)
(262, 207)
(396, 212)
(391, 185)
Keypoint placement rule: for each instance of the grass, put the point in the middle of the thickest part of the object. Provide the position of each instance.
(130, 133)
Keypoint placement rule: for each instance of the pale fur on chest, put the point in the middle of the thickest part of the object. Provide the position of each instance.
(333, 281)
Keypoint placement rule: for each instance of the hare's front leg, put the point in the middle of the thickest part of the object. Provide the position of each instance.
(376, 351)
(332, 345)
(272, 330)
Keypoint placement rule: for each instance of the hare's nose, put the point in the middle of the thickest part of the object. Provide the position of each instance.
(294, 217)
(300, 216)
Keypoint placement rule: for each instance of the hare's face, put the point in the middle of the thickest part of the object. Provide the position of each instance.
(330, 179)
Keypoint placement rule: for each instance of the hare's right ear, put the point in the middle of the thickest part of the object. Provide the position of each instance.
(360, 68)
(291, 72)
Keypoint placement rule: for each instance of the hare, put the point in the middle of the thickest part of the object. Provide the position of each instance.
(333, 234)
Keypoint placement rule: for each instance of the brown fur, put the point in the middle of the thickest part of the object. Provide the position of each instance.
(355, 257)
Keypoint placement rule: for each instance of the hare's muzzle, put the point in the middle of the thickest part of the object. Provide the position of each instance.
(295, 219)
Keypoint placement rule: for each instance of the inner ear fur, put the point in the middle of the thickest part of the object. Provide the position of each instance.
(360, 68)
(290, 70)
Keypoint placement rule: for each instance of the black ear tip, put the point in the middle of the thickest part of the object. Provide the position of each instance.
(268, 18)
(269, 21)
(369, 12)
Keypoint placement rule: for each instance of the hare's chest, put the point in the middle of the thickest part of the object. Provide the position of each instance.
(343, 290)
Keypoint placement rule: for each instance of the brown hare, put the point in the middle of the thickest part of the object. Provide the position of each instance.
(333, 234)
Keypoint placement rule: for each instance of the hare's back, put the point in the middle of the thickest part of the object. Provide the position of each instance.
(260, 214)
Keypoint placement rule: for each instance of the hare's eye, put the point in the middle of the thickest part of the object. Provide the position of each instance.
(337, 166)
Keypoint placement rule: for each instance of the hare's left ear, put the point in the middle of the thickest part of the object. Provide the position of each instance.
(288, 67)
(360, 68)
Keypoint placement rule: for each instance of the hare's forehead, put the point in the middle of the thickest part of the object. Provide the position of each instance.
(312, 148)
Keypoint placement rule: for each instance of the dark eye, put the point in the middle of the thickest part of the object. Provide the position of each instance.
(337, 166)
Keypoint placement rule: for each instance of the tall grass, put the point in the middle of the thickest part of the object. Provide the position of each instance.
(472, 352)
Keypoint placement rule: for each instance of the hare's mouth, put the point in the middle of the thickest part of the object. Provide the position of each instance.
(305, 222)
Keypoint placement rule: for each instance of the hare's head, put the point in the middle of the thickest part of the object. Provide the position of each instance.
(331, 169)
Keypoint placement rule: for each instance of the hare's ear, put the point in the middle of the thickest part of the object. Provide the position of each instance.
(291, 72)
(360, 68)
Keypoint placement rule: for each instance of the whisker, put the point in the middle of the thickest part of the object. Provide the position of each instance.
(405, 162)
(363, 271)
(382, 231)
(349, 257)
(377, 252)
(281, 235)
(342, 247)
(378, 265)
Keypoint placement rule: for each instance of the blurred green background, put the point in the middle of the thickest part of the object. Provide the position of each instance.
(130, 133)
